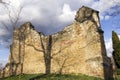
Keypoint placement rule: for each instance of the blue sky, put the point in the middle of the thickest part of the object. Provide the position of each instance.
(50, 16)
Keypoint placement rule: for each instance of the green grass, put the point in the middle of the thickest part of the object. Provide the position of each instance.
(118, 71)
(118, 74)
(51, 77)
(21, 77)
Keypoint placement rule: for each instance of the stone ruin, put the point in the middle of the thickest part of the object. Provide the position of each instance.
(78, 48)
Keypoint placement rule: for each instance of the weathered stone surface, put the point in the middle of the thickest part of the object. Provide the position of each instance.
(26, 54)
(79, 48)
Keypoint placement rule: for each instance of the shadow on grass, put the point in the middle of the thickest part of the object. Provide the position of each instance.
(49, 76)
(38, 77)
(63, 77)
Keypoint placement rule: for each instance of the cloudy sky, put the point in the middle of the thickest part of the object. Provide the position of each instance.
(50, 16)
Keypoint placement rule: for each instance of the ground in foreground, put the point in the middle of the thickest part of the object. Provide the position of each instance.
(51, 77)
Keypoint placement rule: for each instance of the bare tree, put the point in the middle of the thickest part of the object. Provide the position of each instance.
(1, 66)
(2, 2)
(47, 53)
(14, 16)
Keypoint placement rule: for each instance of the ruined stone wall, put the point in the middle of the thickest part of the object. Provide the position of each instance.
(78, 48)
(26, 54)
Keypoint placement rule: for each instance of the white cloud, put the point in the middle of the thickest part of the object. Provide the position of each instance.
(3, 32)
(15, 3)
(104, 7)
(49, 12)
(67, 14)
(3, 17)
(86, 2)
(30, 13)
(109, 48)
(119, 36)
(52, 15)
(107, 17)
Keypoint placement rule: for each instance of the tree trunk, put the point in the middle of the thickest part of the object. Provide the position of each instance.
(48, 64)
(47, 55)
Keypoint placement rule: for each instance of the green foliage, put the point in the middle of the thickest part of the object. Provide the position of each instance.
(52, 77)
(118, 77)
(115, 39)
(20, 77)
(116, 47)
(118, 71)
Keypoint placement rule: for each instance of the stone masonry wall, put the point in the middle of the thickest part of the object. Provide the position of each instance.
(78, 48)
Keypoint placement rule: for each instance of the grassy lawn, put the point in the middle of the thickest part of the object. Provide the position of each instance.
(118, 73)
(118, 77)
(51, 77)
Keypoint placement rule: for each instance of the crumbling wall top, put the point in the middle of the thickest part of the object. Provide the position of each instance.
(84, 13)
